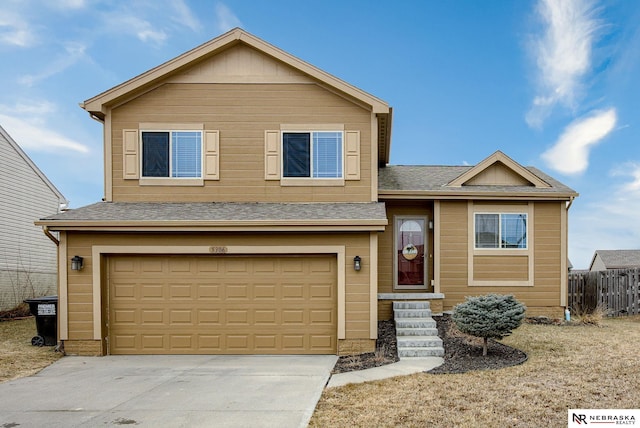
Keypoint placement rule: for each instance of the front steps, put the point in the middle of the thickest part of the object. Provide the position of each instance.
(416, 331)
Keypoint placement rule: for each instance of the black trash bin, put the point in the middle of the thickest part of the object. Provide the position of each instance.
(45, 309)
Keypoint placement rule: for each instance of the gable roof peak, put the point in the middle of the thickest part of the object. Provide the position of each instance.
(98, 105)
(498, 158)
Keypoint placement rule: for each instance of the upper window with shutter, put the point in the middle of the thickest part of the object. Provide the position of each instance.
(182, 155)
(172, 154)
(312, 155)
(316, 154)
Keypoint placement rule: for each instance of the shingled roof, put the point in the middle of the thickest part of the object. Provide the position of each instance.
(433, 180)
(618, 259)
(210, 214)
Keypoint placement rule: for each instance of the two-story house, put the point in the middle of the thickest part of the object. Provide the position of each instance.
(249, 208)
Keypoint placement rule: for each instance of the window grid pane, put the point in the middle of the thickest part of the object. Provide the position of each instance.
(487, 231)
(186, 154)
(514, 230)
(155, 154)
(327, 154)
(296, 155)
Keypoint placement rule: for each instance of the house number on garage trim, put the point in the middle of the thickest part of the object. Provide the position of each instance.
(218, 250)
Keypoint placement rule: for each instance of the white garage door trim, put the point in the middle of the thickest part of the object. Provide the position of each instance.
(97, 251)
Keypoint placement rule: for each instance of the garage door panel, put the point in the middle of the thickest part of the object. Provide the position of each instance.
(208, 291)
(292, 291)
(179, 265)
(237, 291)
(153, 342)
(265, 317)
(181, 291)
(155, 290)
(152, 316)
(209, 342)
(222, 305)
(208, 317)
(264, 292)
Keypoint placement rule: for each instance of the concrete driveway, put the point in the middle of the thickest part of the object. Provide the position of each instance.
(168, 391)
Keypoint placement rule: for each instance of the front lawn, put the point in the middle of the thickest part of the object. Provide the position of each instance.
(568, 367)
(17, 357)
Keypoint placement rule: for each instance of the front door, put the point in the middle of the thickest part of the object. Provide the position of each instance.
(410, 248)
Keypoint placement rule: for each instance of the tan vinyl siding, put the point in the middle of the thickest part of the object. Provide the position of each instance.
(487, 268)
(242, 113)
(541, 298)
(548, 254)
(453, 246)
(498, 175)
(80, 286)
(385, 243)
(28, 259)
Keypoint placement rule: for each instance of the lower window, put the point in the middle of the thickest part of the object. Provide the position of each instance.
(500, 230)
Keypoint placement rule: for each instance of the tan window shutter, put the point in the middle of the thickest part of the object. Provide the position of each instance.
(212, 155)
(272, 155)
(352, 155)
(130, 150)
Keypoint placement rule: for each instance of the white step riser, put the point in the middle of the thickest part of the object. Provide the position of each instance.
(415, 323)
(411, 305)
(420, 352)
(412, 313)
(407, 332)
(419, 342)
(416, 331)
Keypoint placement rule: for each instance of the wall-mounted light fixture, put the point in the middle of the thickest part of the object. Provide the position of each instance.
(77, 263)
(357, 265)
(430, 224)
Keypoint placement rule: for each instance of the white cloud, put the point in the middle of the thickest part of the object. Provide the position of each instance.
(15, 30)
(570, 154)
(225, 18)
(563, 54)
(141, 28)
(27, 124)
(74, 52)
(184, 16)
(629, 169)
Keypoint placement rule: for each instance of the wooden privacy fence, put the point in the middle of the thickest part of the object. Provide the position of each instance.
(617, 291)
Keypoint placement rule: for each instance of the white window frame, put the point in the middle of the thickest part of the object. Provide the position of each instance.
(338, 181)
(187, 180)
(481, 207)
(500, 214)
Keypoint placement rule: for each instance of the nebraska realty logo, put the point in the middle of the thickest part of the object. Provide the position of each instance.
(599, 417)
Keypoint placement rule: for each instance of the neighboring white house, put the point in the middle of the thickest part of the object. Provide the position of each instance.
(28, 260)
(615, 259)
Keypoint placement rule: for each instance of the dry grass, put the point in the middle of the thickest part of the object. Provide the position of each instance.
(576, 366)
(17, 357)
(590, 316)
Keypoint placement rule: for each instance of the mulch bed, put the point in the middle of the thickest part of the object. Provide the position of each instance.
(462, 353)
(386, 352)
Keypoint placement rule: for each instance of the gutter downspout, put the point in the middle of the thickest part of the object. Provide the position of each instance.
(46, 231)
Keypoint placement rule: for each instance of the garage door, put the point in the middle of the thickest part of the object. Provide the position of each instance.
(222, 305)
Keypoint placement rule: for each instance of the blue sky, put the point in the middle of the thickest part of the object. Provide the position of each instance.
(552, 83)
